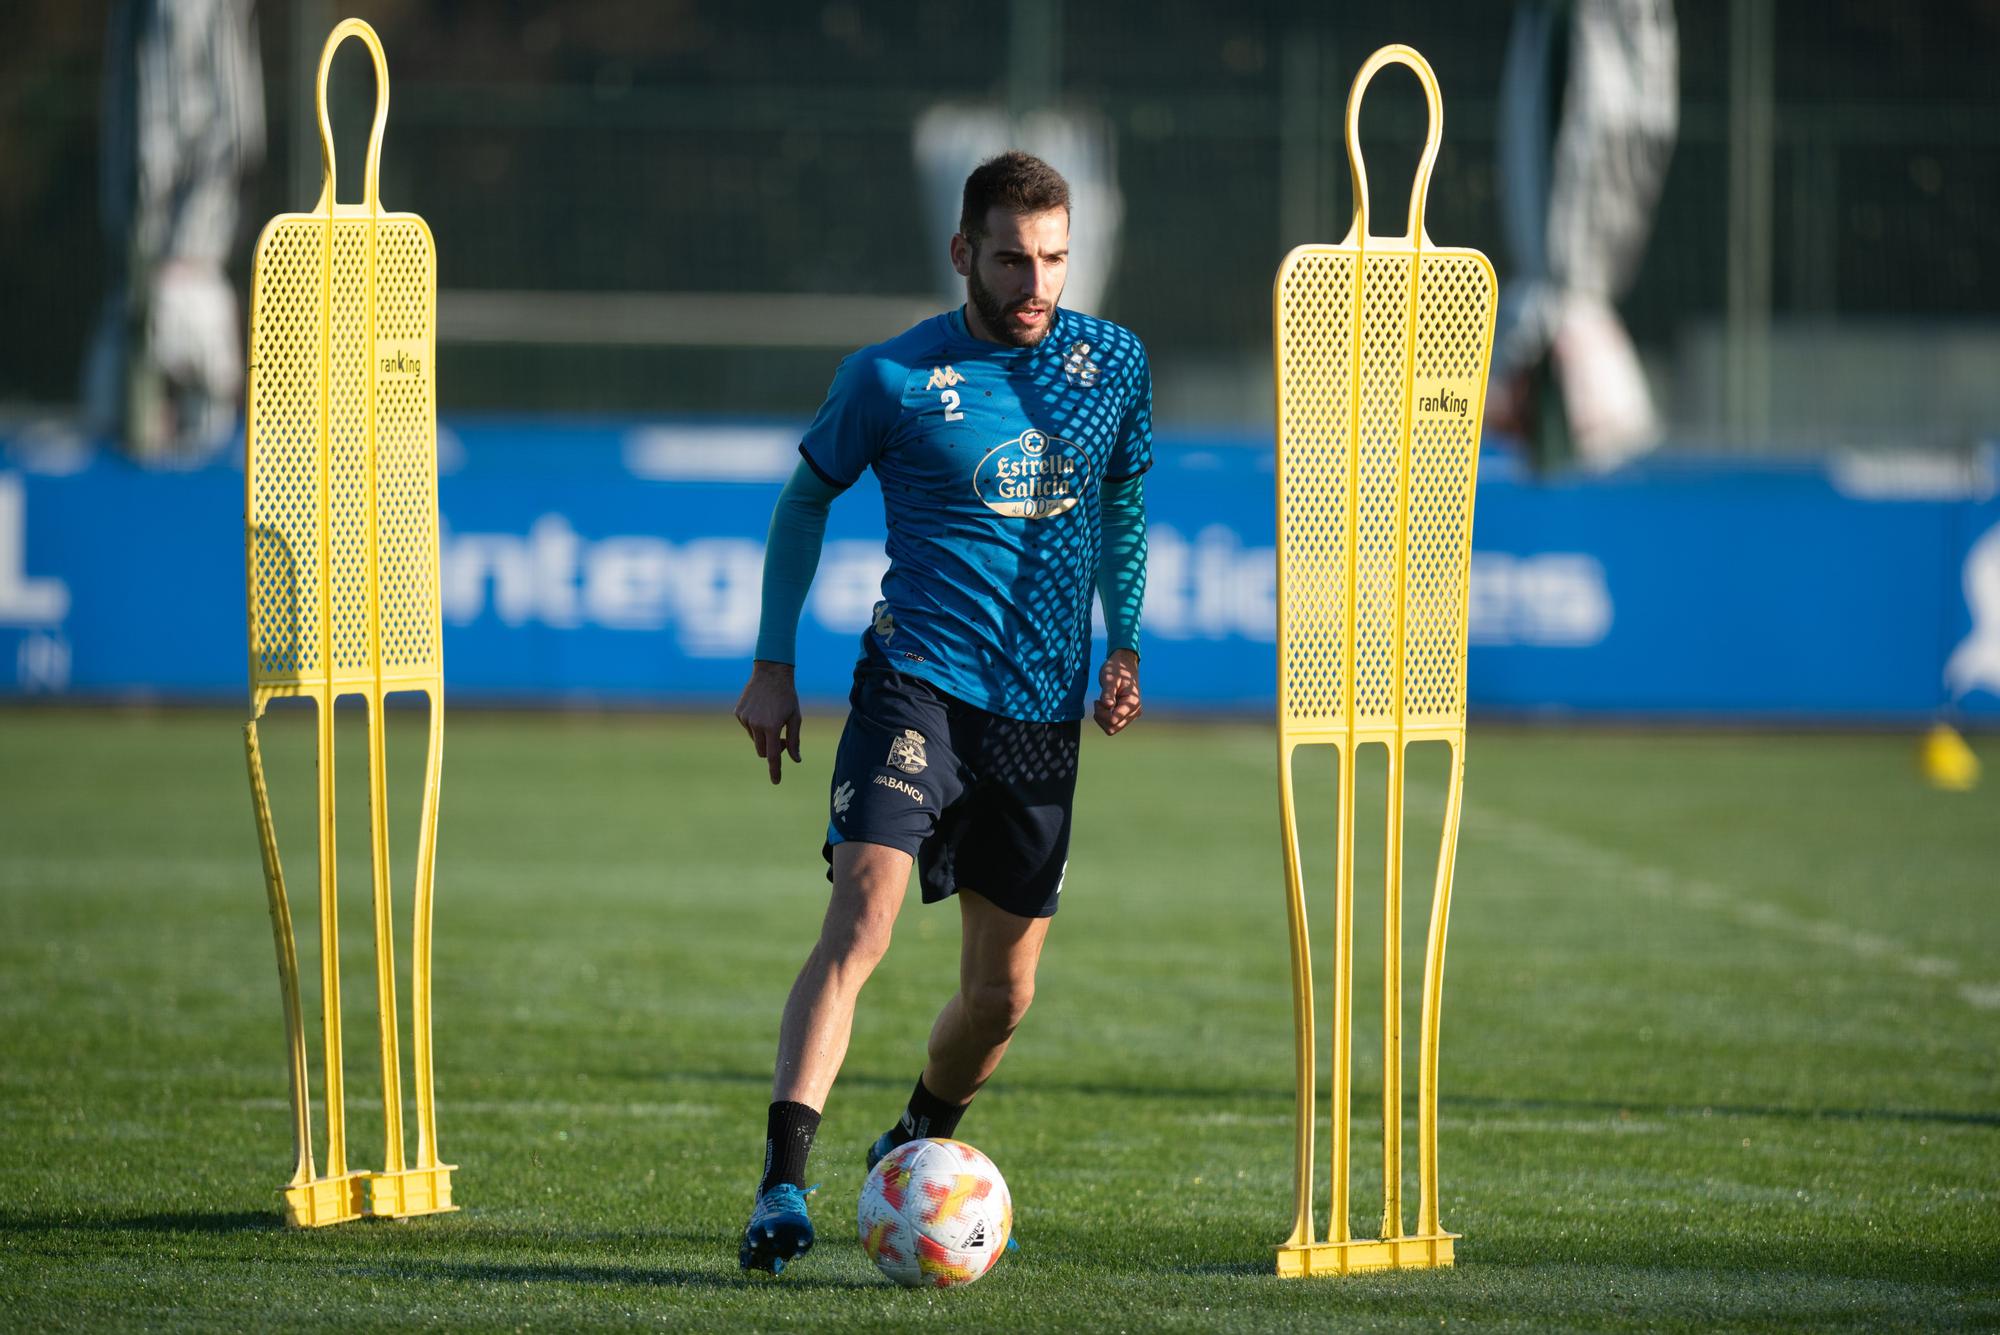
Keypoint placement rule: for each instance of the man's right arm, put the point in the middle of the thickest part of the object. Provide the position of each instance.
(769, 706)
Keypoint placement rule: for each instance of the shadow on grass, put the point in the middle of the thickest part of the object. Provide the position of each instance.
(1489, 1261)
(211, 1221)
(901, 1085)
(1225, 1269)
(666, 1277)
(761, 1078)
(1925, 1262)
(1613, 1107)
(245, 1223)
(1607, 1107)
(1487, 1257)
(1517, 1249)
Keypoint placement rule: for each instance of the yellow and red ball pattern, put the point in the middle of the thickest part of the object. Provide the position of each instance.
(935, 1213)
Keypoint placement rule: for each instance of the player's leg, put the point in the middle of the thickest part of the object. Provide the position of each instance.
(1011, 837)
(996, 984)
(890, 779)
(869, 881)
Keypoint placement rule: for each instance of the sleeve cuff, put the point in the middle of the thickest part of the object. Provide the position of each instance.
(821, 473)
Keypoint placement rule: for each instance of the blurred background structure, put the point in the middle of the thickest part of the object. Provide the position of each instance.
(182, 122)
(686, 206)
(672, 219)
(1589, 107)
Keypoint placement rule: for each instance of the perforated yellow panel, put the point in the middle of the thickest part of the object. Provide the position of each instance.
(1381, 356)
(1380, 393)
(303, 449)
(341, 548)
(1382, 345)
(347, 449)
(1315, 310)
(1454, 333)
(406, 447)
(284, 483)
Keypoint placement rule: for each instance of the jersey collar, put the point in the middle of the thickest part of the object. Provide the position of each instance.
(963, 333)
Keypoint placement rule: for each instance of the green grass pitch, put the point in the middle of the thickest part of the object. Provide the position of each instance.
(1721, 1037)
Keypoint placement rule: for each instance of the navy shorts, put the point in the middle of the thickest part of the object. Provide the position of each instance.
(981, 802)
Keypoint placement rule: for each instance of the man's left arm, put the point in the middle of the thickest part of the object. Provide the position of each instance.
(1121, 587)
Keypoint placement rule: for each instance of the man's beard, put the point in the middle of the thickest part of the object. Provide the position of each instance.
(994, 315)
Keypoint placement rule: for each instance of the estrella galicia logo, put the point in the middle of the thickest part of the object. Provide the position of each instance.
(1032, 476)
(1078, 369)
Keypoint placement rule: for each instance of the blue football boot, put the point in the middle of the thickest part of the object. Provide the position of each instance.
(778, 1231)
(883, 1144)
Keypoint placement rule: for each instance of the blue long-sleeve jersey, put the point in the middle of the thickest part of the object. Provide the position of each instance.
(992, 460)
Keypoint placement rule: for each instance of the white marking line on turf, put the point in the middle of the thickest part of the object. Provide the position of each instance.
(1236, 1119)
(1555, 846)
(539, 1108)
(92, 872)
(1603, 1126)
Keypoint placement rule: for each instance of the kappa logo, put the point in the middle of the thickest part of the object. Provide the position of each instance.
(841, 797)
(944, 377)
(1078, 369)
(906, 753)
(885, 622)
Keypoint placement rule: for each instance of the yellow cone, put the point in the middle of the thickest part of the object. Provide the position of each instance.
(1946, 761)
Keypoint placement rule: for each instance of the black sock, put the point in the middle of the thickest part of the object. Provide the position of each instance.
(788, 1139)
(927, 1115)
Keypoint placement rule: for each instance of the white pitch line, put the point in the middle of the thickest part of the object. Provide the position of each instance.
(542, 1108)
(28, 873)
(1535, 839)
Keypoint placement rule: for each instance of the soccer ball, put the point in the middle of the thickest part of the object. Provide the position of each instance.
(935, 1212)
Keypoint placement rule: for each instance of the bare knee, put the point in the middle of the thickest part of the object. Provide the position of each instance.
(995, 1007)
(857, 939)
(868, 887)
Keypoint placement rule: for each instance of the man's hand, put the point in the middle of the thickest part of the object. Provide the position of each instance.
(768, 709)
(1118, 699)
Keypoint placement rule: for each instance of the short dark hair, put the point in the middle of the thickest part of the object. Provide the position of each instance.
(1016, 181)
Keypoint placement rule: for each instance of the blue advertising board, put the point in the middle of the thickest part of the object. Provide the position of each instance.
(620, 562)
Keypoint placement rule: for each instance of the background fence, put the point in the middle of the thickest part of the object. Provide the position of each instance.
(652, 166)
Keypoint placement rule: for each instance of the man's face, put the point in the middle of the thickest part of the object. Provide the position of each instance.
(1014, 276)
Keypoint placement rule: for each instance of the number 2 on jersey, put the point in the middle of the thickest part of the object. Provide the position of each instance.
(951, 412)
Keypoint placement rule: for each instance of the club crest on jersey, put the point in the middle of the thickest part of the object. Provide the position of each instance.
(1078, 369)
(906, 753)
(1032, 476)
(944, 377)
